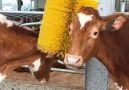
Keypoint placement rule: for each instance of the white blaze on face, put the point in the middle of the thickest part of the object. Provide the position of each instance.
(3, 19)
(36, 64)
(83, 19)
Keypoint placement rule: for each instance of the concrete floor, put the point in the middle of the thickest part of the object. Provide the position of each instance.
(58, 81)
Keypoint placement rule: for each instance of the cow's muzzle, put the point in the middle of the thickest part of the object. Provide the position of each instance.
(73, 61)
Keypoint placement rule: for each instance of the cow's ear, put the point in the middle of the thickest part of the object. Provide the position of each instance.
(114, 22)
(106, 23)
(119, 22)
(107, 26)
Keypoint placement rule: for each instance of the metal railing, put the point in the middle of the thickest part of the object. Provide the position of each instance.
(31, 24)
(118, 5)
(24, 16)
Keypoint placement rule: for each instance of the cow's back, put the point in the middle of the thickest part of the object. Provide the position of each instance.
(11, 42)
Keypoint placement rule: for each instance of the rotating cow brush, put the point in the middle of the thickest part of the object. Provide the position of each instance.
(54, 31)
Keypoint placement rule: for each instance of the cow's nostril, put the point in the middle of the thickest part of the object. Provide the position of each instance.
(78, 60)
(71, 59)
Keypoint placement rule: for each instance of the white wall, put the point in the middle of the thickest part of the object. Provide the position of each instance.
(9, 3)
(106, 8)
(26, 5)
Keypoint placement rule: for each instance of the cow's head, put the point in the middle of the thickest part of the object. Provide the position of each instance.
(84, 34)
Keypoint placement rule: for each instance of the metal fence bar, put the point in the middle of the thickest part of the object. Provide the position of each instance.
(127, 13)
(22, 12)
(31, 24)
(69, 71)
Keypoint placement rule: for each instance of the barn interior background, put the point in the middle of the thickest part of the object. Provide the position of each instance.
(38, 5)
(22, 5)
(28, 8)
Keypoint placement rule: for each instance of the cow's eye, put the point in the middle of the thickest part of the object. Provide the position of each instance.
(95, 33)
(114, 21)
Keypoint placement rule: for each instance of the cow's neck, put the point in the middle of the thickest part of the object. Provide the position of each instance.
(103, 55)
(111, 53)
(105, 50)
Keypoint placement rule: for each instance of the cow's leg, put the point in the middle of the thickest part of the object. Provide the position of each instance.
(4, 69)
(45, 68)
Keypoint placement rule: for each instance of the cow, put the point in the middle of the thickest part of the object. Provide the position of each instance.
(90, 37)
(18, 47)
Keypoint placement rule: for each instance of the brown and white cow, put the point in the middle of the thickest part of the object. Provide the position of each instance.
(90, 38)
(18, 47)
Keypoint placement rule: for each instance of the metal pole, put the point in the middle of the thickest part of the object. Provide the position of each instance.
(35, 4)
(0, 4)
(31, 4)
(19, 5)
(96, 75)
(119, 4)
